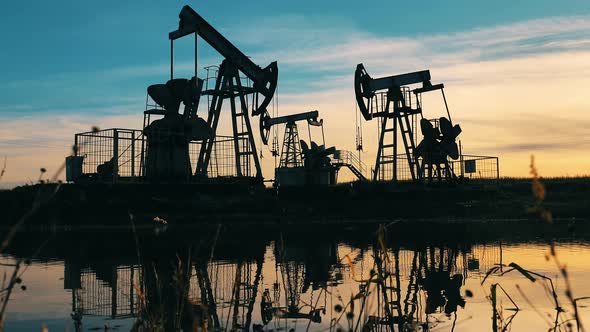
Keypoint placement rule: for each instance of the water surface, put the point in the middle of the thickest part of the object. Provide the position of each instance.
(304, 277)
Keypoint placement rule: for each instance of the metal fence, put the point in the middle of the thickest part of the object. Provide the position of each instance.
(127, 150)
(477, 167)
(123, 146)
(222, 162)
(469, 167)
(108, 293)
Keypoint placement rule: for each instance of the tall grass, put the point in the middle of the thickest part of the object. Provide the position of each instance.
(41, 199)
(563, 318)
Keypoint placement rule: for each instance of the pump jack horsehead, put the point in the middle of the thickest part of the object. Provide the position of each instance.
(391, 98)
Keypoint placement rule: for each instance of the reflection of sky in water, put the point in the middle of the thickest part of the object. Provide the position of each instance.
(299, 284)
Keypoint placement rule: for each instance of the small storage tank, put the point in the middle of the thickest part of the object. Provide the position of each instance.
(74, 168)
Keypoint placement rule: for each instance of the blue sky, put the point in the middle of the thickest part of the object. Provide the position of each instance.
(70, 54)
(66, 64)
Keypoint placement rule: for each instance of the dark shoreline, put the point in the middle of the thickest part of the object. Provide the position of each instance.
(108, 204)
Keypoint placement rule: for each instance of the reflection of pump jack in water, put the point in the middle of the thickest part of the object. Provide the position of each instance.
(173, 301)
(442, 289)
(206, 291)
(235, 312)
(388, 290)
(296, 278)
(293, 273)
(166, 285)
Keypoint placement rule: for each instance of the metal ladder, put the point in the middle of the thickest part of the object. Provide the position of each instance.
(404, 114)
(229, 86)
(387, 153)
(242, 138)
(388, 271)
(411, 300)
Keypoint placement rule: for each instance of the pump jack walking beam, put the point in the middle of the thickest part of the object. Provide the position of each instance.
(228, 86)
(264, 80)
(365, 87)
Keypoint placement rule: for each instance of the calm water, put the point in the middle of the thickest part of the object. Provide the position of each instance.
(305, 277)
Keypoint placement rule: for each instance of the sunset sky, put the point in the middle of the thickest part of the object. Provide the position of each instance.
(517, 73)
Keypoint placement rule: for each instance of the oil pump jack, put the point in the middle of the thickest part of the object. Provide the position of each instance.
(300, 164)
(228, 85)
(391, 98)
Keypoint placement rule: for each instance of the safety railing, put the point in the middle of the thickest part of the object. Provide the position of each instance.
(109, 292)
(477, 167)
(116, 148)
(352, 161)
(121, 153)
(470, 167)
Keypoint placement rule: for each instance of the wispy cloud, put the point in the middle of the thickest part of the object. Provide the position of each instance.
(532, 148)
(340, 50)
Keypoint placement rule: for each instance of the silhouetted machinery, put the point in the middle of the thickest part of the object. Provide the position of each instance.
(438, 145)
(168, 138)
(300, 164)
(390, 99)
(180, 146)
